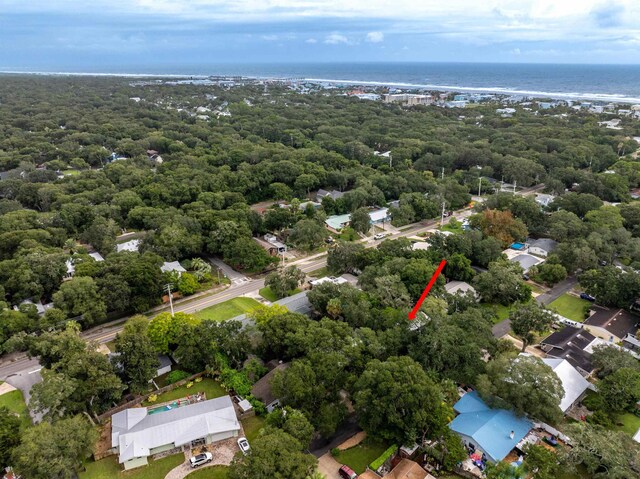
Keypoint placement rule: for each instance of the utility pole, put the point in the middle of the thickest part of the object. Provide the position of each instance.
(390, 160)
(479, 186)
(514, 187)
(218, 270)
(442, 217)
(167, 287)
(442, 173)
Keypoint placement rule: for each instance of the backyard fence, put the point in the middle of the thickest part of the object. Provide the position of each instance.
(138, 400)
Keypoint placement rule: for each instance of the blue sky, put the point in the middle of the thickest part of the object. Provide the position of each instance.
(130, 35)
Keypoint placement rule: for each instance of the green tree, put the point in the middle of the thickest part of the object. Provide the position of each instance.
(188, 284)
(528, 319)
(503, 470)
(525, 384)
(285, 280)
(276, 455)
(620, 390)
(548, 273)
(246, 254)
(541, 462)
(293, 422)
(308, 235)
(502, 283)
(360, 220)
(605, 453)
(344, 257)
(40, 457)
(79, 297)
(396, 400)
(608, 359)
(9, 435)
(459, 268)
(164, 329)
(137, 355)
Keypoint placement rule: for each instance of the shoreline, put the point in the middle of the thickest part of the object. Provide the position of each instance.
(601, 97)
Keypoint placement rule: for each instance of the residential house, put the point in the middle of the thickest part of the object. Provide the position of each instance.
(131, 245)
(335, 194)
(573, 383)
(612, 325)
(572, 344)
(274, 247)
(405, 469)
(542, 247)
(40, 307)
(380, 215)
(136, 434)
(328, 279)
(459, 287)
(172, 267)
(545, 200)
(336, 222)
(298, 303)
(491, 432)
(262, 388)
(526, 261)
(97, 257)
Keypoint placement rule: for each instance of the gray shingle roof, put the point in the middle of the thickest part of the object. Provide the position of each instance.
(135, 432)
(546, 244)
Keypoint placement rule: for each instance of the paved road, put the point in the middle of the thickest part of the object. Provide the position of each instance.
(24, 381)
(103, 334)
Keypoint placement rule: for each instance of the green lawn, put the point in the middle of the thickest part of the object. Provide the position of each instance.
(252, 426)
(211, 388)
(70, 172)
(108, 468)
(453, 229)
(535, 288)
(501, 311)
(14, 401)
(269, 295)
(229, 309)
(214, 472)
(319, 273)
(570, 306)
(359, 457)
(630, 423)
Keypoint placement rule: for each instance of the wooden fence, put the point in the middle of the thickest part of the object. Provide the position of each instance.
(140, 399)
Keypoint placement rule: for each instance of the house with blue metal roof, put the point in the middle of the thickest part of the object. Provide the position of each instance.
(494, 432)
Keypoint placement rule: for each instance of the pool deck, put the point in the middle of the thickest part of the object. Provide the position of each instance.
(175, 403)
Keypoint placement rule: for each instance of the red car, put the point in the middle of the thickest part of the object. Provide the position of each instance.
(347, 473)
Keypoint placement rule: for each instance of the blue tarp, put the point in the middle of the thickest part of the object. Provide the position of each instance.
(489, 428)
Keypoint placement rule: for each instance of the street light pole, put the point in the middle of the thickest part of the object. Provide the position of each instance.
(168, 288)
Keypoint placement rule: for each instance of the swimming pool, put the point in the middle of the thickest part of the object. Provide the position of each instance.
(517, 246)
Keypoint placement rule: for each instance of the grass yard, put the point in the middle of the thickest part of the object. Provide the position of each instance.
(108, 468)
(501, 311)
(229, 309)
(359, 457)
(535, 288)
(571, 307)
(269, 295)
(215, 472)
(457, 229)
(319, 273)
(252, 426)
(211, 388)
(630, 423)
(14, 401)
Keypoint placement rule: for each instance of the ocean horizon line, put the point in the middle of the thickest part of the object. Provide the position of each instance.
(610, 97)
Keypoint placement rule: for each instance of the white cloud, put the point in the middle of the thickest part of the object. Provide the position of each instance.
(516, 51)
(335, 39)
(375, 37)
(311, 40)
(270, 38)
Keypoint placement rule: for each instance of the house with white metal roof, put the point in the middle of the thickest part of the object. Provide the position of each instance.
(137, 434)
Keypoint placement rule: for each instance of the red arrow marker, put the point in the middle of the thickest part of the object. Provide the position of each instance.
(415, 309)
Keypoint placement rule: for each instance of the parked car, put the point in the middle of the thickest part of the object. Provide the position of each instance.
(201, 459)
(243, 444)
(347, 473)
(379, 236)
(329, 240)
(588, 297)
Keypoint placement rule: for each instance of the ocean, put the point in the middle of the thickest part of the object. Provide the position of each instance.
(616, 83)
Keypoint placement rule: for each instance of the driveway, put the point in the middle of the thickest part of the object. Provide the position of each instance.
(228, 271)
(557, 291)
(24, 382)
(223, 452)
(328, 466)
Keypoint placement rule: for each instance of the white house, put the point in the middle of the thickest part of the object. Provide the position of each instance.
(136, 434)
(132, 246)
(542, 247)
(544, 200)
(172, 267)
(459, 287)
(573, 383)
